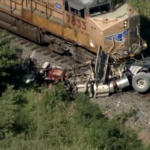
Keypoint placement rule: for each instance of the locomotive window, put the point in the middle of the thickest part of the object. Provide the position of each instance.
(66, 6)
(117, 3)
(99, 10)
(81, 13)
(74, 11)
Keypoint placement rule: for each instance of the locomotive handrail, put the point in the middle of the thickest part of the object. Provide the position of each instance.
(46, 6)
(32, 10)
(38, 2)
(15, 2)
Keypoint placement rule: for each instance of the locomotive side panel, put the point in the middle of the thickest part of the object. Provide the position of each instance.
(70, 34)
(47, 25)
(75, 29)
(27, 16)
(83, 38)
(40, 21)
(95, 35)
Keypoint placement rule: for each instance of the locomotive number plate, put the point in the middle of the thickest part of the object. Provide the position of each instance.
(76, 22)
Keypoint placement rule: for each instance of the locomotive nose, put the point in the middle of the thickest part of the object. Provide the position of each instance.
(136, 43)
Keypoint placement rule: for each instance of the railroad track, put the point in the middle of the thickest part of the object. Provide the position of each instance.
(40, 53)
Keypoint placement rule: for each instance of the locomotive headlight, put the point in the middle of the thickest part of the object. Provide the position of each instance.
(145, 45)
(125, 23)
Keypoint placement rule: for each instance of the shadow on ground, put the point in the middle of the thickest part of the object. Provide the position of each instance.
(145, 32)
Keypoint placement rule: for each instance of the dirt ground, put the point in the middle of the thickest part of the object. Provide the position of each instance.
(125, 101)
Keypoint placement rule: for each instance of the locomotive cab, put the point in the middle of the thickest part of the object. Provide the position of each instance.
(112, 25)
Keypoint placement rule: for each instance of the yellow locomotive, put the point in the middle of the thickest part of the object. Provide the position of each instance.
(81, 27)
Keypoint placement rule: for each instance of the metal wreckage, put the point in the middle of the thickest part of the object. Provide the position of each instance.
(97, 43)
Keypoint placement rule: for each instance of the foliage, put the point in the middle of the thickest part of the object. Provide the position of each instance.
(44, 120)
(13, 118)
(143, 7)
(9, 73)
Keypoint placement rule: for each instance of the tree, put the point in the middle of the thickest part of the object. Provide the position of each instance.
(9, 73)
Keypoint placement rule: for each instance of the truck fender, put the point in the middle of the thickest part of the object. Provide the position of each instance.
(135, 69)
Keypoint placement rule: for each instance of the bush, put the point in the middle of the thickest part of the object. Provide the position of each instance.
(33, 120)
(9, 73)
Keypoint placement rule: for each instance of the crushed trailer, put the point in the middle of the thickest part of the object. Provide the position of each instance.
(98, 79)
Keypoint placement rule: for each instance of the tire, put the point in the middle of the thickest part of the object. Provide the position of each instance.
(141, 82)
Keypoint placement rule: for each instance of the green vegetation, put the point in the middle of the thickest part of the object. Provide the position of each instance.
(43, 119)
(48, 119)
(143, 7)
(8, 65)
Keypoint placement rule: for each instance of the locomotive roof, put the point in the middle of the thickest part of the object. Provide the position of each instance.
(82, 2)
(85, 3)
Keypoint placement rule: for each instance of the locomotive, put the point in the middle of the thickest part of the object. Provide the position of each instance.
(111, 25)
(85, 29)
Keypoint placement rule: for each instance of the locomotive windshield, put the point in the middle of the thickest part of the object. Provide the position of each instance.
(117, 3)
(105, 7)
(101, 9)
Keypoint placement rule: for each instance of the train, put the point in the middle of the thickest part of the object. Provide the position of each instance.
(104, 32)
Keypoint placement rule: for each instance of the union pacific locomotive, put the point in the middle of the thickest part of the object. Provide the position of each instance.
(77, 26)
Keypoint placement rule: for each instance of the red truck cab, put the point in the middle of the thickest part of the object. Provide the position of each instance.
(55, 74)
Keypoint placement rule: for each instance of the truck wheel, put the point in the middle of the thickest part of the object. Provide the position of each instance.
(141, 82)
